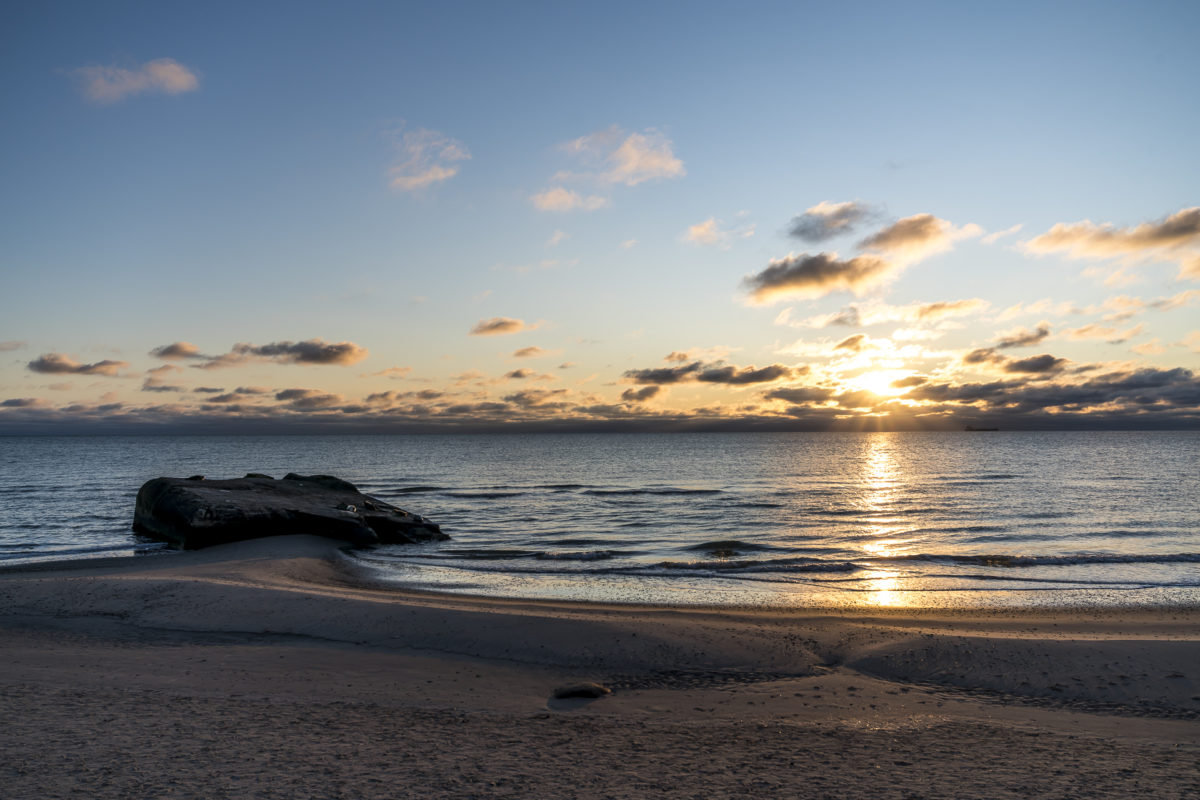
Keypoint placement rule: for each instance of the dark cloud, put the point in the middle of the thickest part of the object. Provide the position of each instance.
(983, 355)
(519, 374)
(910, 381)
(1024, 338)
(817, 275)
(308, 399)
(177, 351)
(497, 326)
(310, 351)
(208, 390)
(21, 402)
(59, 364)
(799, 395)
(529, 352)
(640, 395)
(711, 373)
(827, 220)
(664, 375)
(537, 398)
(1042, 364)
(733, 376)
(155, 385)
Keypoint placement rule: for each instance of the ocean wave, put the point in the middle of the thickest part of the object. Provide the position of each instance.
(1073, 559)
(727, 547)
(782, 565)
(588, 555)
(663, 491)
(482, 495)
(412, 490)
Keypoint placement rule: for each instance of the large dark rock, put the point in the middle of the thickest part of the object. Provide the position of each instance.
(194, 512)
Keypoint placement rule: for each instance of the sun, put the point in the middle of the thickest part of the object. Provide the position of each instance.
(880, 381)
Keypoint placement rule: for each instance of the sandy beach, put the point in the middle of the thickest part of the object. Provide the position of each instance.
(277, 668)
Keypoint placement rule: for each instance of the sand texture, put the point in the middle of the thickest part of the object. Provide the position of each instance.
(276, 668)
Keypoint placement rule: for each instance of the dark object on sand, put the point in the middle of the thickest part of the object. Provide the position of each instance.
(589, 690)
(194, 512)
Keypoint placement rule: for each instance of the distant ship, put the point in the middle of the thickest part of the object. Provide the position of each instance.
(972, 428)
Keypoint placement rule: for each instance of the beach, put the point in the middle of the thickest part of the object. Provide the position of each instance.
(282, 668)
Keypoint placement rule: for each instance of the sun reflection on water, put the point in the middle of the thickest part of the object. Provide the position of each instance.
(881, 477)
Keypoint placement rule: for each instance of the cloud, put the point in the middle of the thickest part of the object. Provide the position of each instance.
(11, 345)
(640, 395)
(1175, 238)
(812, 276)
(624, 158)
(1042, 364)
(208, 390)
(557, 238)
(875, 313)
(391, 372)
(535, 398)
(308, 399)
(1109, 334)
(1023, 338)
(629, 244)
(826, 220)
(561, 199)
(497, 326)
(59, 364)
(733, 376)
(310, 351)
(519, 374)
(532, 351)
(710, 233)
(107, 83)
(711, 373)
(996, 236)
(917, 237)
(22, 402)
(800, 395)
(425, 157)
(177, 351)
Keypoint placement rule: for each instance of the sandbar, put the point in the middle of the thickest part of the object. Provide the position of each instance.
(282, 668)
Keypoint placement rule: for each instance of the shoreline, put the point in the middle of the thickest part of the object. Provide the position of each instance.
(271, 634)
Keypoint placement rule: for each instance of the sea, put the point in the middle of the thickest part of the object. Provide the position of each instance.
(778, 520)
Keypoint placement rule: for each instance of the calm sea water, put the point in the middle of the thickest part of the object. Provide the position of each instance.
(928, 519)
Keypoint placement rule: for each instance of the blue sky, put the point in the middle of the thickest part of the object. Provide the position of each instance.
(389, 176)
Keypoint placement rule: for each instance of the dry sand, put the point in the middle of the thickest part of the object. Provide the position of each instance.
(274, 668)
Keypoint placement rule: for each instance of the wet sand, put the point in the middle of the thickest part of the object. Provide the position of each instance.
(275, 668)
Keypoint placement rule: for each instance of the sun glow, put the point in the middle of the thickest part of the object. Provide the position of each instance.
(880, 381)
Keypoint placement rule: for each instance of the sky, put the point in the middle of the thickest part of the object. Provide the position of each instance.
(361, 217)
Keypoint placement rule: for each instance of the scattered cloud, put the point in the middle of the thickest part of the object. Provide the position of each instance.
(1023, 337)
(711, 233)
(828, 220)
(812, 276)
(561, 199)
(22, 402)
(59, 364)
(425, 157)
(10, 346)
(310, 351)
(996, 236)
(106, 84)
(308, 399)
(1174, 238)
(617, 157)
(629, 244)
(497, 326)
(532, 351)
(1107, 333)
(557, 238)
(877, 313)
(395, 373)
(176, 351)
(711, 373)
(917, 237)
(640, 395)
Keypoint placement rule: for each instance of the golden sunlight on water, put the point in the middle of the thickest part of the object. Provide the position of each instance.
(880, 476)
